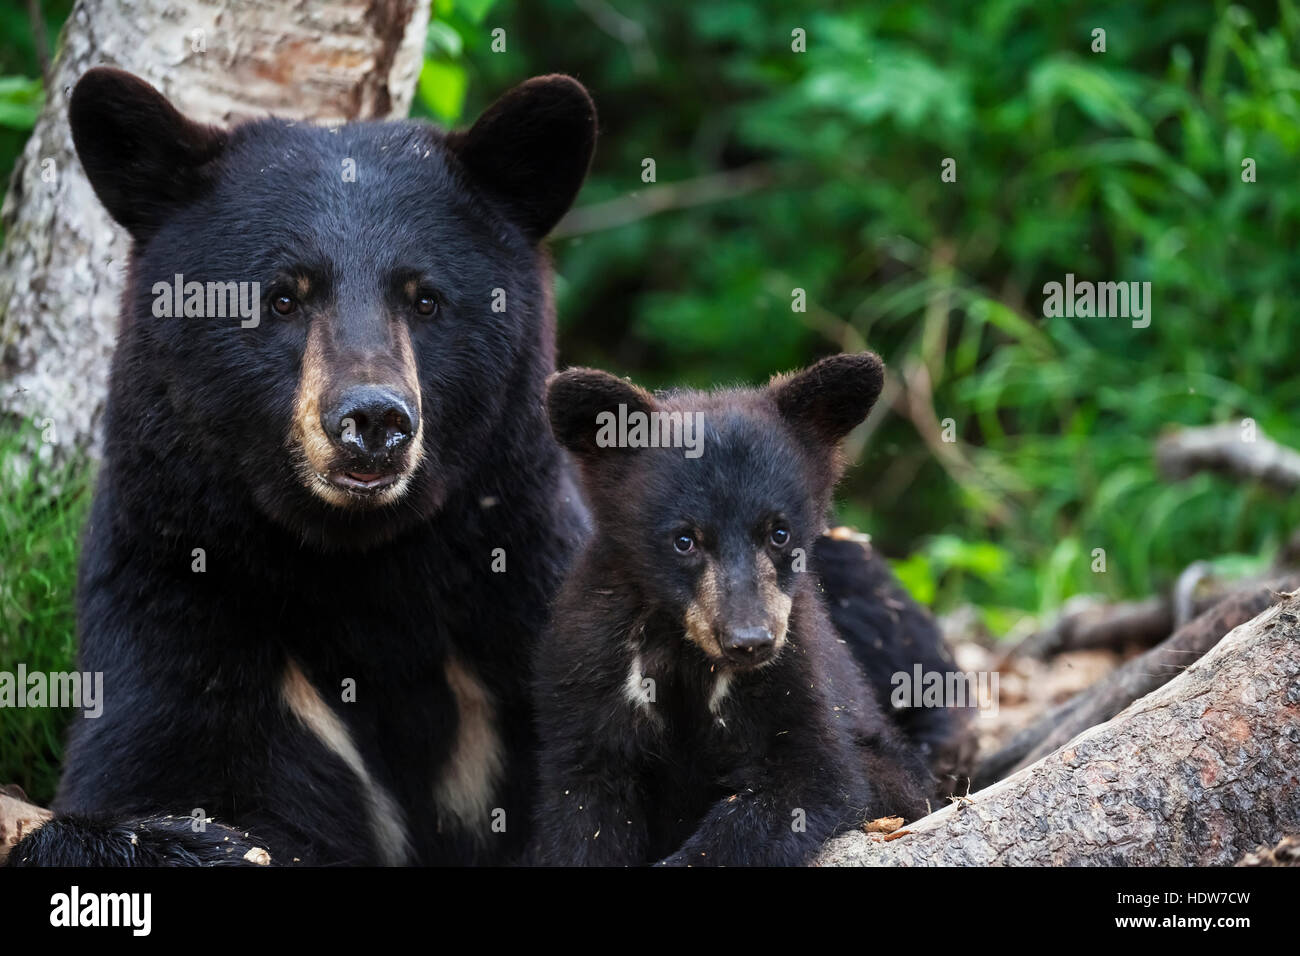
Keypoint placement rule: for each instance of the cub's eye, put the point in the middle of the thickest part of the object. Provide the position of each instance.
(779, 537)
(284, 304)
(683, 544)
(426, 305)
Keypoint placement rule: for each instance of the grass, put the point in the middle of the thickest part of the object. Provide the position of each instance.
(43, 507)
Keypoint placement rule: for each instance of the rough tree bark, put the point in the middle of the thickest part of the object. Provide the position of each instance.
(61, 270)
(1200, 772)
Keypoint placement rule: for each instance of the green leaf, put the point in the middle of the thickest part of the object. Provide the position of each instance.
(441, 39)
(20, 102)
(475, 10)
(442, 89)
(915, 575)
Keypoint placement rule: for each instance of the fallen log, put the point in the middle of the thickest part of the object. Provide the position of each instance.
(18, 817)
(1088, 623)
(1139, 676)
(1230, 450)
(1201, 771)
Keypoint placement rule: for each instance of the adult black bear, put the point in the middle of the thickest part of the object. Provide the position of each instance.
(331, 516)
(328, 528)
(695, 703)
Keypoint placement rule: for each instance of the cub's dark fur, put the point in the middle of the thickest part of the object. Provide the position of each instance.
(695, 704)
(308, 510)
(888, 634)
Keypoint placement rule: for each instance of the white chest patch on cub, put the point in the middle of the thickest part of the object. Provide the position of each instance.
(636, 688)
(387, 823)
(467, 782)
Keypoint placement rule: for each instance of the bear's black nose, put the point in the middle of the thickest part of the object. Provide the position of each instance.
(751, 644)
(369, 420)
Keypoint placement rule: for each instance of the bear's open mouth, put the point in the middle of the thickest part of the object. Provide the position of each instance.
(362, 482)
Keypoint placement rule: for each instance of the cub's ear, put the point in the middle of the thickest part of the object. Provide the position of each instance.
(576, 399)
(531, 149)
(827, 400)
(143, 158)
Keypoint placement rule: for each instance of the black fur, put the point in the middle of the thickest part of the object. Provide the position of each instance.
(888, 633)
(143, 158)
(196, 456)
(150, 841)
(801, 738)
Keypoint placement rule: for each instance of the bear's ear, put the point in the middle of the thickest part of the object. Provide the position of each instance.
(827, 400)
(143, 158)
(532, 148)
(576, 400)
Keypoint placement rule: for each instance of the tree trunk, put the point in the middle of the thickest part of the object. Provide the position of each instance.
(1200, 772)
(61, 270)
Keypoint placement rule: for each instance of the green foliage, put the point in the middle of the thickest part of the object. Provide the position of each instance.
(42, 510)
(1115, 166)
(454, 27)
(20, 102)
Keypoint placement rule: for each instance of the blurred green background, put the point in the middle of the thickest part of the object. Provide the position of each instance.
(820, 171)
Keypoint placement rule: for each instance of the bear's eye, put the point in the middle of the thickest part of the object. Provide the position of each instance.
(779, 537)
(426, 305)
(284, 304)
(683, 544)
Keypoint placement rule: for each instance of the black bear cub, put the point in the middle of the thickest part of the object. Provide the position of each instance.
(695, 704)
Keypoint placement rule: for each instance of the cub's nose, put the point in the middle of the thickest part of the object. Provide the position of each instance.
(748, 644)
(369, 420)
